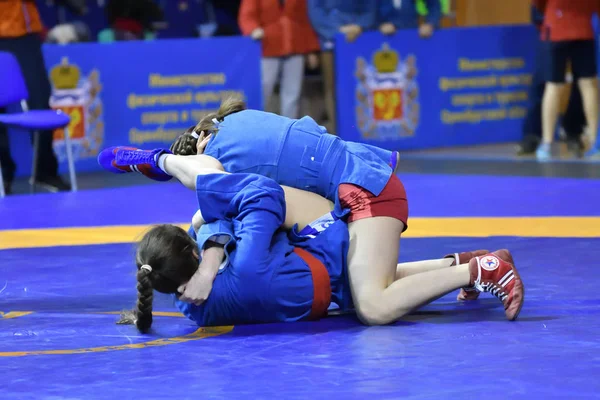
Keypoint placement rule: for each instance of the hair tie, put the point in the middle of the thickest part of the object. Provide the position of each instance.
(146, 267)
(216, 122)
(195, 135)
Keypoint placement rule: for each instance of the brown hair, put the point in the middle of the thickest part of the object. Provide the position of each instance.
(169, 251)
(185, 144)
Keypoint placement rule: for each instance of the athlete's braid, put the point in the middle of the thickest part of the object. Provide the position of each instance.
(143, 320)
(166, 257)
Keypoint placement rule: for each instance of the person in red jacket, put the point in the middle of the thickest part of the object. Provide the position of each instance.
(570, 35)
(287, 37)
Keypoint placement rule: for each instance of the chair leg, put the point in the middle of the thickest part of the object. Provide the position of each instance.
(70, 161)
(2, 193)
(36, 149)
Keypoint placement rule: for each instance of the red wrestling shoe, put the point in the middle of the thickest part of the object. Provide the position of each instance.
(495, 273)
(466, 293)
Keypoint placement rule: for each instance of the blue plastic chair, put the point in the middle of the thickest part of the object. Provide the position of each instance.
(13, 91)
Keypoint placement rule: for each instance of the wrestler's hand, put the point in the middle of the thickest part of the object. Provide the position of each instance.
(197, 290)
(202, 142)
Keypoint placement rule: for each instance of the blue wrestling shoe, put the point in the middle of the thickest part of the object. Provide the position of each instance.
(121, 160)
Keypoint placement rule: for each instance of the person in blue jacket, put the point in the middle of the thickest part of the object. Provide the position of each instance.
(301, 155)
(332, 17)
(402, 14)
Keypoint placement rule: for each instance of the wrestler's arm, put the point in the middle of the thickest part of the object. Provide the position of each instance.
(198, 288)
(211, 240)
(302, 207)
(251, 206)
(247, 207)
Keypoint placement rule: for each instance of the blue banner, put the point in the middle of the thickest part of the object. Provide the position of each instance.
(463, 86)
(141, 94)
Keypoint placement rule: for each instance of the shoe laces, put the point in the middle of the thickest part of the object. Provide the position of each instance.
(132, 156)
(493, 288)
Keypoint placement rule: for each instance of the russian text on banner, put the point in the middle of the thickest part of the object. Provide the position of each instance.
(463, 86)
(142, 94)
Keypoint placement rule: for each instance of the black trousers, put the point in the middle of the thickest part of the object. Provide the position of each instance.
(581, 54)
(28, 51)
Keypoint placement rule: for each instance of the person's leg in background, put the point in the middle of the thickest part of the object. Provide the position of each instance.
(573, 121)
(292, 78)
(6, 161)
(28, 50)
(327, 69)
(585, 70)
(558, 55)
(270, 68)
(532, 125)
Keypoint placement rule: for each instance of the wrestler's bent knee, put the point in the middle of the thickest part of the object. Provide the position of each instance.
(371, 311)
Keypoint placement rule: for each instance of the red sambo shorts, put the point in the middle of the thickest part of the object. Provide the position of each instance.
(391, 202)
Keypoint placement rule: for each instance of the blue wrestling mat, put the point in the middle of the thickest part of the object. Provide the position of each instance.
(64, 278)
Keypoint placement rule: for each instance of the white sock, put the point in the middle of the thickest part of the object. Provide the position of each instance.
(161, 162)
